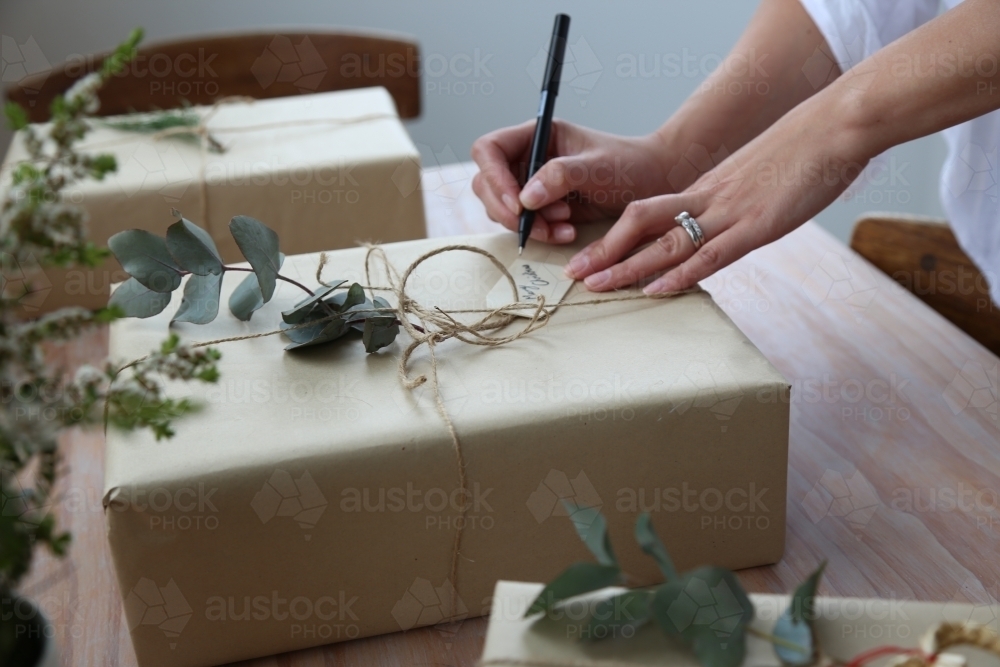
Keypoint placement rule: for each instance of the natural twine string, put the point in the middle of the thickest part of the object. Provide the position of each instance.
(436, 326)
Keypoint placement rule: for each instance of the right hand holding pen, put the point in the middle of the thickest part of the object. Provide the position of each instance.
(590, 175)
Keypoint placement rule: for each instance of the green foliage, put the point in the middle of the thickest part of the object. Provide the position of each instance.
(259, 244)
(157, 265)
(795, 626)
(651, 545)
(705, 609)
(577, 579)
(182, 124)
(145, 257)
(37, 402)
(592, 528)
(193, 248)
(134, 299)
(246, 298)
(17, 118)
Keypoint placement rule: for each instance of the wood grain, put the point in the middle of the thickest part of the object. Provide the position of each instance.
(923, 256)
(259, 65)
(894, 465)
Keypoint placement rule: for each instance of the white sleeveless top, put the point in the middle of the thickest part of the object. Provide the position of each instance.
(855, 29)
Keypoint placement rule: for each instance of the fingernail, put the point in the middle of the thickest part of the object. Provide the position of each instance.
(539, 233)
(558, 211)
(563, 233)
(659, 286)
(577, 265)
(512, 204)
(598, 280)
(533, 195)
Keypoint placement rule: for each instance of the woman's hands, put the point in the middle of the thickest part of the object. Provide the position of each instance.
(591, 175)
(739, 203)
(763, 191)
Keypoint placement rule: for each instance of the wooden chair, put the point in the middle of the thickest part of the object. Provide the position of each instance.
(263, 65)
(923, 256)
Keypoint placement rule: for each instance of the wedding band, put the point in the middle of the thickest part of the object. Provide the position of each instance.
(692, 227)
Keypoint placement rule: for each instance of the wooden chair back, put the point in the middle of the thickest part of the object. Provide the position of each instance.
(262, 65)
(922, 255)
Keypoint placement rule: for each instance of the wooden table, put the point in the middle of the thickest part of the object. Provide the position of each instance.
(894, 470)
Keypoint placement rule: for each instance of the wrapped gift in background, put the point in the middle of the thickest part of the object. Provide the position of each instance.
(315, 499)
(325, 171)
(845, 628)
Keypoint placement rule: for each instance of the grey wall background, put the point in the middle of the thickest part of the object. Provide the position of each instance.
(479, 72)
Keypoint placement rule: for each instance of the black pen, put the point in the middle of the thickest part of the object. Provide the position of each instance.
(543, 126)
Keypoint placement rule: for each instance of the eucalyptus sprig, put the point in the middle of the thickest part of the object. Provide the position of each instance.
(183, 124)
(157, 266)
(706, 609)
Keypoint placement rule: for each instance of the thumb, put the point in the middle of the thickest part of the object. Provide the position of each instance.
(551, 183)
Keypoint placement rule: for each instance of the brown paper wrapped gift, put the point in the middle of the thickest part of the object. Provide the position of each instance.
(315, 499)
(324, 170)
(845, 628)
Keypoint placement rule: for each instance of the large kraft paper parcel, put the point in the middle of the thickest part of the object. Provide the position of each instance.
(315, 500)
(324, 171)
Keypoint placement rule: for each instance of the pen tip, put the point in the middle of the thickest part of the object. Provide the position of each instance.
(520, 249)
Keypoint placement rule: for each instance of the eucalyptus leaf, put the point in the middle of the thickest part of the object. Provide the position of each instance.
(136, 300)
(794, 626)
(193, 249)
(145, 257)
(355, 296)
(708, 599)
(797, 634)
(200, 304)
(380, 308)
(259, 244)
(804, 599)
(713, 650)
(651, 544)
(379, 333)
(246, 298)
(322, 332)
(577, 579)
(630, 609)
(593, 530)
(301, 311)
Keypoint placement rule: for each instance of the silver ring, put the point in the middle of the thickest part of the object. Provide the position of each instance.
(692, 227)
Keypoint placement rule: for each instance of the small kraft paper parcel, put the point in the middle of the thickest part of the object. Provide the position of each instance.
(325, 171)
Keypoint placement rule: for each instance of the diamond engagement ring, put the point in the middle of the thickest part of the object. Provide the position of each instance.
(692, 227)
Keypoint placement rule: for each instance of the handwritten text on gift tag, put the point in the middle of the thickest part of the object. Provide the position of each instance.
(534, 278)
